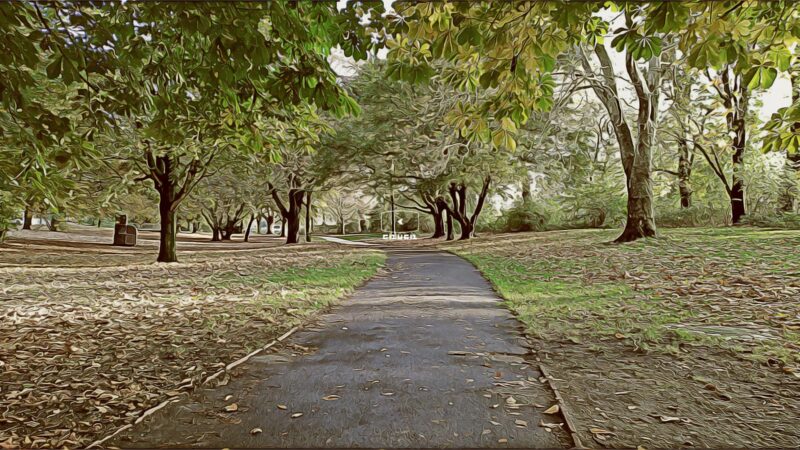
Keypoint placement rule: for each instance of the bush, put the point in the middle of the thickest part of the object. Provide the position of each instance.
(694, 216)
(522, 217)
(789, 221)
(7, 214)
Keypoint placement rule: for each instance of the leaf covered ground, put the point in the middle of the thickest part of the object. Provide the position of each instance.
(93, 335)
(691, 339)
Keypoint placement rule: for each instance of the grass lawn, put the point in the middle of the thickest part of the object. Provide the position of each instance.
(92, 336)
(359, 237)
(689, 339)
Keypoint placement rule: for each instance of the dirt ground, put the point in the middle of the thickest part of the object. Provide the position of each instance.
(92, 335)
(93, 245)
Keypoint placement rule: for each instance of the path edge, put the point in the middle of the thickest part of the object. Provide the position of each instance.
(212, 377)
(227, 368)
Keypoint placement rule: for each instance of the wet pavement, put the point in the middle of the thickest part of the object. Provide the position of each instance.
(423, 355)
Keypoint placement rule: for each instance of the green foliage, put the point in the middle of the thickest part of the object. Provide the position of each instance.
(9, 210)
(508, 49)
(522, 216)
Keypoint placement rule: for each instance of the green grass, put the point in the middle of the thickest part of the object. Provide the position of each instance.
(344, 275)
(567, 308)
(575, 286)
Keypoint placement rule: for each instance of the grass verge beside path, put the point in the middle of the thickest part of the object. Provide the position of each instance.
(86, 350)
(698, 332)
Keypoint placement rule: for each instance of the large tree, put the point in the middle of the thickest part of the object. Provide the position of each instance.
(191, 75)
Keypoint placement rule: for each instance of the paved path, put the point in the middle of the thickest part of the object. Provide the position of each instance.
(345, 241)
(421, 356)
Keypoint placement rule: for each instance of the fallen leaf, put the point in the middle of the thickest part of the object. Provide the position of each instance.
(552, 410)
(494, 423)
(668, 419)
(502, 441)
(521, 423)
(256, 431)
(511, 400)
(331, 397)
(601, 431)
(486, 431)
(281, 406)
(633, 407)
(296, 415)
(232, 407)
(544, 424)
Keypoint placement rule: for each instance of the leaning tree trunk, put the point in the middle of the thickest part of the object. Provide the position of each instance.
(249, 227)
(27, 219)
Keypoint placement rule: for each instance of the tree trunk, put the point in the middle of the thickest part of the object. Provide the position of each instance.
(684, 175)
(736, 123)
(640, 221)
(308, 216)
(636, 157)
(53, 224)
(27, 219)
(283, 226)
(466, 230)
(737, 202)
(341, 225)
(792, 167)
(195, 226)
(438, 222)
(215, 234)
(166, 248)
(391, 204)
(258, 224)
(449, 225)
(291, 214)
(270, 220)
(789, 192)
(293, 227)
(249, 226)
(526, 190)
(458, 194)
